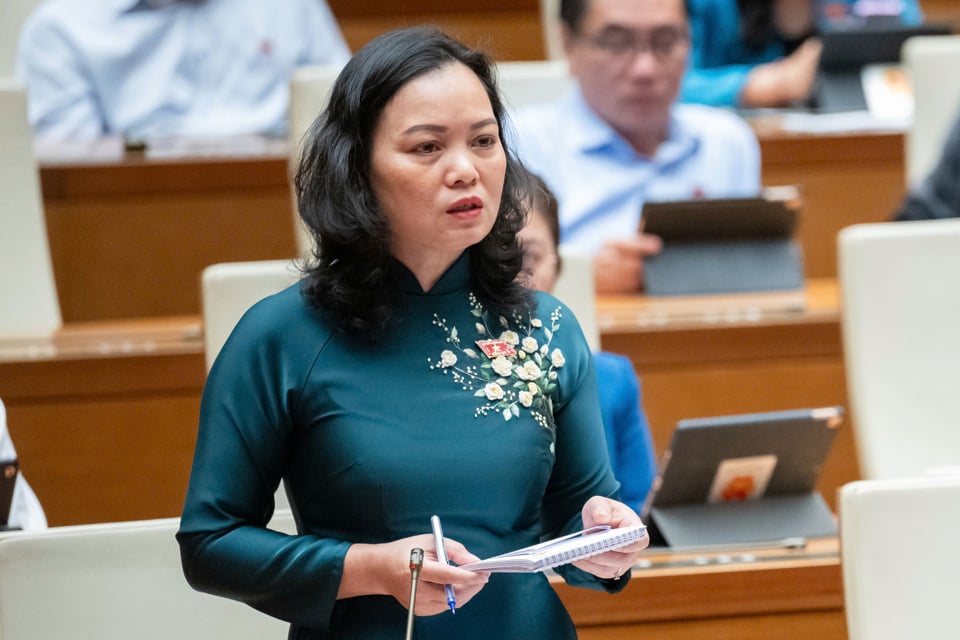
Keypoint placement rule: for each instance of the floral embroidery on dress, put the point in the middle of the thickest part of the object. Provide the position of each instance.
(525, 377)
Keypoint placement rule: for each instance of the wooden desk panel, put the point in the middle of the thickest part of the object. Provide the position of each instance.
(781, 595)
(104, 416)
(130, 236)
(507, 29)
(845, 179)
(108, 410)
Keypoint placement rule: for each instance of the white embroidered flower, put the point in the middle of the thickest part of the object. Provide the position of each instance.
(557, 359)
(525, 398)
(493, 391)
(521, 378)
(502, 366)
(447, 358)
(529, 371)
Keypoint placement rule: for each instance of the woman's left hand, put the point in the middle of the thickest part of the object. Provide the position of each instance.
(611, 564)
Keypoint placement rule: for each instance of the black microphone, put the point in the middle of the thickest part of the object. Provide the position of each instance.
(416, 563)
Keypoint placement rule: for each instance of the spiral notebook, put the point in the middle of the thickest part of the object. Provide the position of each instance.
(563, 550)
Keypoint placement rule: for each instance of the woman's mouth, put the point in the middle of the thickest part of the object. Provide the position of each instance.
(466, 206)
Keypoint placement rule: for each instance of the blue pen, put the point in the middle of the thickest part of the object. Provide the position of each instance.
(442, 557)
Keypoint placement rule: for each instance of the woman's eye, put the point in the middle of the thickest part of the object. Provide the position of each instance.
(426, 147)
(486, 141)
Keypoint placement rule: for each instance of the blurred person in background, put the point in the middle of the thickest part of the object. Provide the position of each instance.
(146, 69)
(619, 137)
(765, 53)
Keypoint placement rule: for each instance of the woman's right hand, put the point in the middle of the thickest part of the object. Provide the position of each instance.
(384, 569)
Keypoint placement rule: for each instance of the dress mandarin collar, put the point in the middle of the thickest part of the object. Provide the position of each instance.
(455, 278)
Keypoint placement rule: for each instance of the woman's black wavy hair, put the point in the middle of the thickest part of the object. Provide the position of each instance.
(350, 274)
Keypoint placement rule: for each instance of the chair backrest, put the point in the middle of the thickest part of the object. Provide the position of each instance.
(523, 83)
(28, 292)
(899, 557)
(900, 287)
(228, 289)
(115, 580)
(309, 91)
(550, 24)
(936, 98)
(13, 13)
(575, 288)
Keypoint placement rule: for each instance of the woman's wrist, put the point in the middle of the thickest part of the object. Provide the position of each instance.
(362, 572)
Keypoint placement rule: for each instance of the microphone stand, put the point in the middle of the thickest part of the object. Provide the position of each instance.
(416, 562)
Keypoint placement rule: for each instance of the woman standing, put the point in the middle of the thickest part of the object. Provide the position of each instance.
(407, 375)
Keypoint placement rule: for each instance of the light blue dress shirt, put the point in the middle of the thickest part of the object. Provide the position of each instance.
(720, 62)
(601, 182)
(144, 70)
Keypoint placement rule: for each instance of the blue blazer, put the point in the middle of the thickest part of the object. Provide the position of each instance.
(629, 443)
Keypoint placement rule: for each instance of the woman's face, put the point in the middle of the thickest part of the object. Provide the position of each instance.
(437, 166)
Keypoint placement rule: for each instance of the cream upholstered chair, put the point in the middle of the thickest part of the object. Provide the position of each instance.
(28, 292)
(575, 288)
(931, 63)
(116, 580)
(523, 83)
(309, 91)
(898, 539)
(228, 289)
(13, 13)
(900, 286)
(550, 24)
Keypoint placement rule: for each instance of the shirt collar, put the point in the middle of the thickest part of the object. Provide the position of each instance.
(591, 133)
(124, 6)
(128, 6)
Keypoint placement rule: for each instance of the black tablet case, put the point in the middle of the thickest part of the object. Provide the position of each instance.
(678, 513)
(838, 85)
(724, 245)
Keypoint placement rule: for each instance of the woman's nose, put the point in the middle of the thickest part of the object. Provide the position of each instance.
(462, 169)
